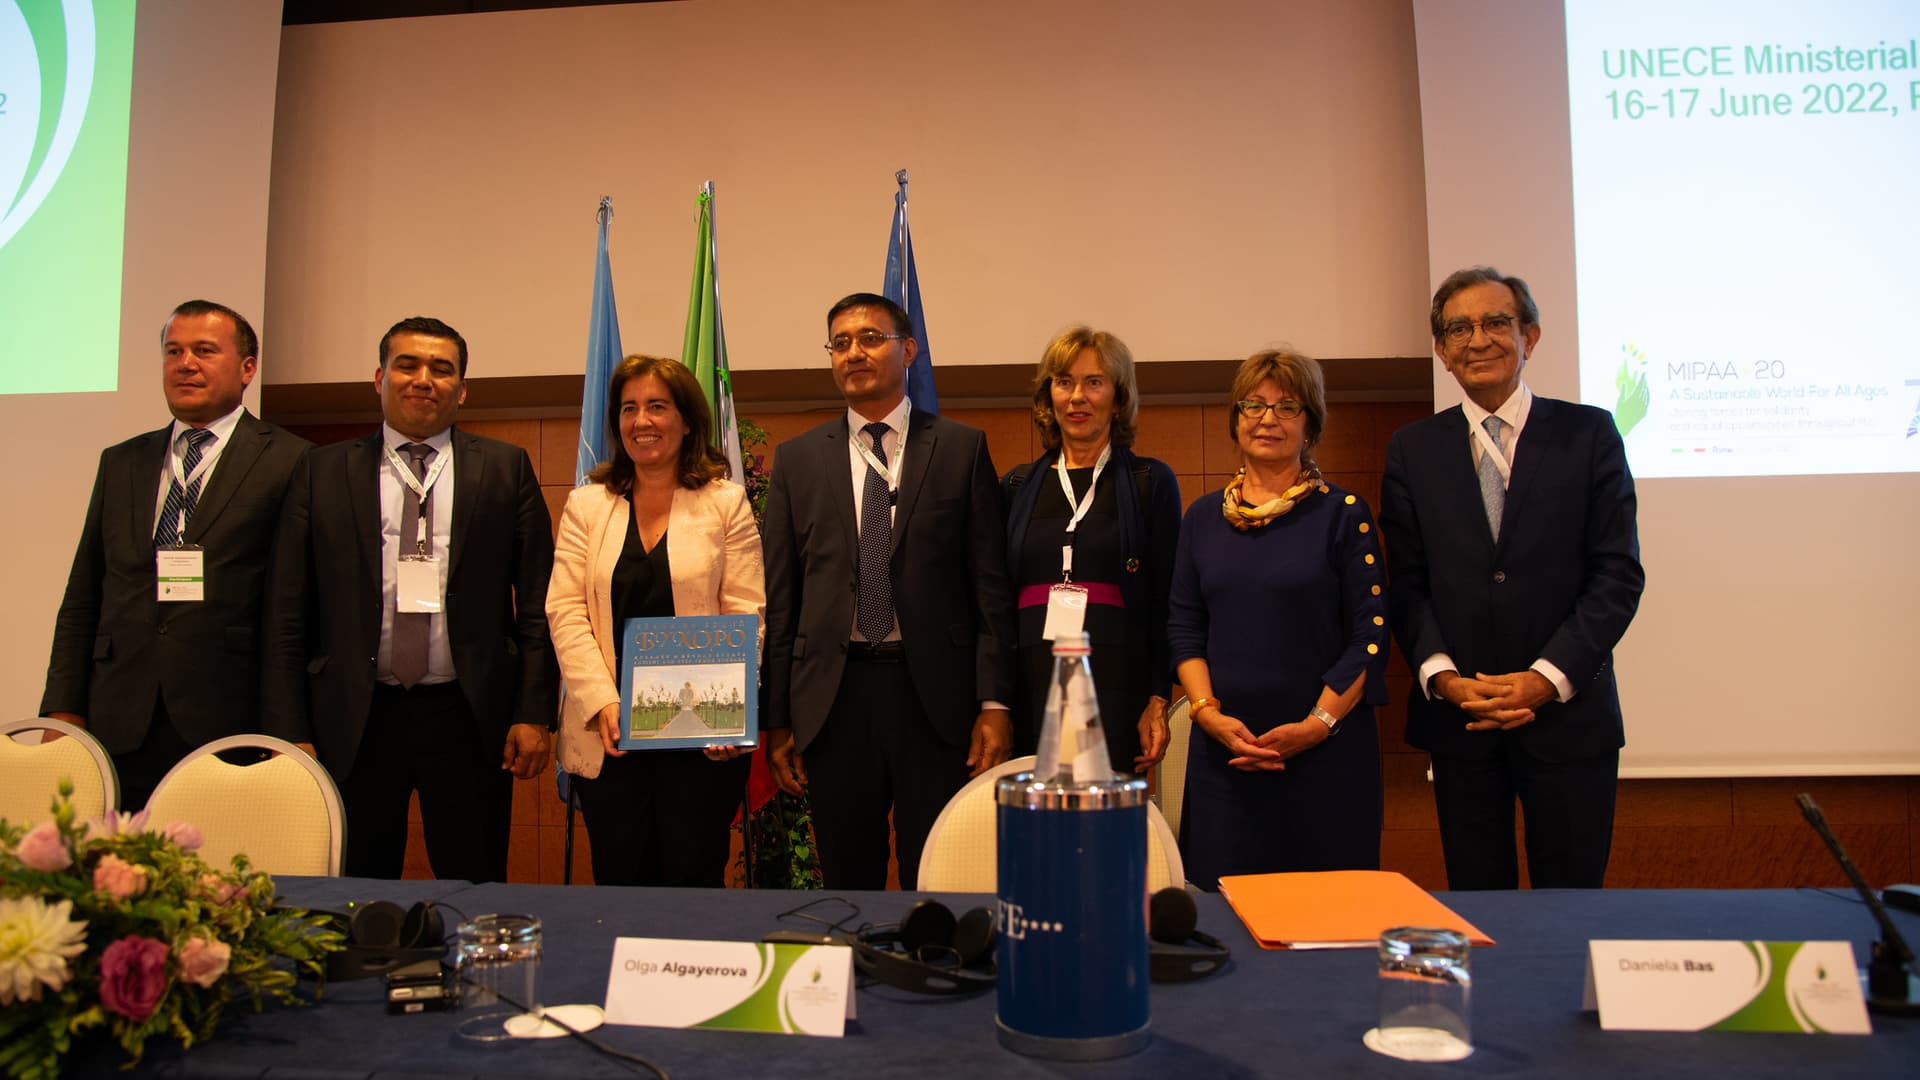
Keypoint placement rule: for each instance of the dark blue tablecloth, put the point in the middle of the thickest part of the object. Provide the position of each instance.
(1271, 1014)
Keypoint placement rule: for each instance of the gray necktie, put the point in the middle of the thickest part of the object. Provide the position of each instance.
(181, 500)
(1493, 487)
(875, 615)
(410, 630)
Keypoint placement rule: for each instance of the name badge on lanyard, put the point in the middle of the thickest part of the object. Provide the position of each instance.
(180, 570)
(1067, 602)
(417, 572)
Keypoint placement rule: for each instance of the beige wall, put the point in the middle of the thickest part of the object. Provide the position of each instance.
(1202, 177)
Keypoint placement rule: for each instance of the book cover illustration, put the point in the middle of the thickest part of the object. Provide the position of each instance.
(690, 681)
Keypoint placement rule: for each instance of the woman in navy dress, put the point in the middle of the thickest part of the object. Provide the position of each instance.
(1278, 631)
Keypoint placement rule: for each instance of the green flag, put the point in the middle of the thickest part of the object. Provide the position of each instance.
(705, 348)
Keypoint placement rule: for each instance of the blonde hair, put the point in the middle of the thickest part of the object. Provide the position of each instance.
(1116, 362)
(1297, 375)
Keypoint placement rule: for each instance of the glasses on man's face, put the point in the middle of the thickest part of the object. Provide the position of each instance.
(866, 339)
(1459, 331)
(1254, 410)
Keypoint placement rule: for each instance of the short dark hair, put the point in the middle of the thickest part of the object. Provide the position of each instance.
(902, 322)
(1116, 361)
(421, 324)
(1529, 312)
(244, 338)
(1298, 375)
(701, 462)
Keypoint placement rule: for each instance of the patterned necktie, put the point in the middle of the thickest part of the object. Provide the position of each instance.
(1493, 487)
(178, 508)
(410, 629)
(875, 616)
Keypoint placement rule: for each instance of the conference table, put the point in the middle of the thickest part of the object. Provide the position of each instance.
(1270, 1013)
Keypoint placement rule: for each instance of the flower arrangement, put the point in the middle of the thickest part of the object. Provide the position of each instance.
(109, 926)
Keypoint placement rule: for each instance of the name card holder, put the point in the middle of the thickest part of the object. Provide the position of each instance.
(1811, 987)
(731, 985)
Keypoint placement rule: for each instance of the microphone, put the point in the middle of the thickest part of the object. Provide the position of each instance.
(1889, 988)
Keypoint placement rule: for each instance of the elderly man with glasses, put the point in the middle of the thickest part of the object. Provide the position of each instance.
(1514, 562)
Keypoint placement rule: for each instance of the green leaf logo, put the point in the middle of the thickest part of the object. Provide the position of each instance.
(1630, 382)
(47, 58)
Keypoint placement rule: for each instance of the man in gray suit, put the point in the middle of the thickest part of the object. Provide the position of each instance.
(155, 665)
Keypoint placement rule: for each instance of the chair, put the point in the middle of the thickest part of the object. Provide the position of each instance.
(283, 813)
(962, 852)
(1173, 766)
(30, 773)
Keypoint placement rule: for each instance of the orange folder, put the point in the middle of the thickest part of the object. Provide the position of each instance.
(1340, 909)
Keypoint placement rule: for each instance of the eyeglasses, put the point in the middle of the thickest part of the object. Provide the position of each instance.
(866, 339)
(1460, 330)
(1254, 410)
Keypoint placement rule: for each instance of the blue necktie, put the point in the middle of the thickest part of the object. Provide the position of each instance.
(1493, 487)
(875, 617)
(182, 499)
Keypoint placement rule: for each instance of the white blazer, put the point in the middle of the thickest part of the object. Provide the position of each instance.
(713, 549)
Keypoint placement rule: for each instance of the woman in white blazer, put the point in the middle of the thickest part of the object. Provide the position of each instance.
(658, 532)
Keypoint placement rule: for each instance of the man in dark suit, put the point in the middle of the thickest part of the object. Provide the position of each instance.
(1514, 566)
(889, 614)
(409, 619)
(150, 675)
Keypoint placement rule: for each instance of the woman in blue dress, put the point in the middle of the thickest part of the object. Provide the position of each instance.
(1278, 631)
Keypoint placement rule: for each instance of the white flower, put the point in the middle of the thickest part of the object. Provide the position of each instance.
(36, 941)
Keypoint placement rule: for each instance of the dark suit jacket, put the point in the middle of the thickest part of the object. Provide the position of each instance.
(115, 645)
(1562, 583)
(325, 621)
(950, 587)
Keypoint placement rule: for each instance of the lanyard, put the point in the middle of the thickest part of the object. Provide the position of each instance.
(1079, 507)
(198, 475)
(892, 474)
(1500, 461)
(417, 486)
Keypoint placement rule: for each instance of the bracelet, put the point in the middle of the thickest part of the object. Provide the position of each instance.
(1193, 709)
(1327, 718)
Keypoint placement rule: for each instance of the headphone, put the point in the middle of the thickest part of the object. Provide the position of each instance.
(930, 951)
(1177, 950)
(382, 936)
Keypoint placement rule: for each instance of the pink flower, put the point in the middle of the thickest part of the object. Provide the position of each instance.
(221, 891)
(184, 834)
(43, 849)
(119, 878)
(202, 962)
(133, 976)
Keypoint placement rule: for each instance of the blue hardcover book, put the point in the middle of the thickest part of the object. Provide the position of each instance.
(690, 681)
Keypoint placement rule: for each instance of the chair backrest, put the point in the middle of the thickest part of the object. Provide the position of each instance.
(30, 772)
(283, 813)
(1173, 766)
(963, 848)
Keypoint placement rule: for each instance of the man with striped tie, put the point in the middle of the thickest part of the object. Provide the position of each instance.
(155, 649)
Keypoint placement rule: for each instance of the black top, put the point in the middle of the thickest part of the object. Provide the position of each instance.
(1121, 672)
(642, 585)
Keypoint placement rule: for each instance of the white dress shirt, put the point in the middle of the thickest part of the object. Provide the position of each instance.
(1513, 413)
(893, 454)
(440, 507)
(209, 455)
